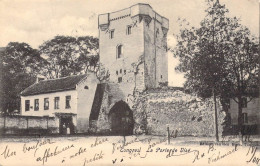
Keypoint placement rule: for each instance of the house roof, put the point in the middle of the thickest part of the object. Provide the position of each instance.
(53, 85)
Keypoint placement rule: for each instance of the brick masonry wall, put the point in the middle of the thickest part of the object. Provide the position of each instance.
(186, 113)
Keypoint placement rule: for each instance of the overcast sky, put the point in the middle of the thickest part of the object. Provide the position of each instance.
(35, 21)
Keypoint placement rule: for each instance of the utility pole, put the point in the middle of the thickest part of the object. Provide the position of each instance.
(214, 76)
(216, 113)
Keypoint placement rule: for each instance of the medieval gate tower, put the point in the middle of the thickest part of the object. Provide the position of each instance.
(133, 49)
(133, 43)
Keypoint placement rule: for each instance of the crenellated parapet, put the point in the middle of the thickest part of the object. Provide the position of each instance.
(146, 12)
(136, 12)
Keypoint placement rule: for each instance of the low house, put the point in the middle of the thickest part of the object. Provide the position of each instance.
(250, 113)
(67, 99)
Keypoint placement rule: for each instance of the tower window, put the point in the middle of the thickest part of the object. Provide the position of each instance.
(125, 71)
(119, 51)
(161, 76)
(129, 30)
(120, 71)
(157, 33)
(119, 79)
(116, 72)
(111, 34)
(110, 99)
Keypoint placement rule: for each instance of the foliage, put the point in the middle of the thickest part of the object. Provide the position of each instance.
(102, 74)
(69, 55)
(19, 66)
(219, 56)
(58, 57)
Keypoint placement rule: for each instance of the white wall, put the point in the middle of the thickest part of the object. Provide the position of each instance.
(51, 110)
(133, 45)
(252, 110)
(85, 101)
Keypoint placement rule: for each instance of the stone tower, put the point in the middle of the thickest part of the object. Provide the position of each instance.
(133, 46)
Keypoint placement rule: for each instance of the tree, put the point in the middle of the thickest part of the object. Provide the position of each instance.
(69, 55)
(20, 65)
(207, 56)
(242, 68)
(102, 74)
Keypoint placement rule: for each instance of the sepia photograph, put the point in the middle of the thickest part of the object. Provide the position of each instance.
(129, 82)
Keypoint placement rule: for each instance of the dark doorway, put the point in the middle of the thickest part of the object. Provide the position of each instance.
(66, 125)
(121, 119)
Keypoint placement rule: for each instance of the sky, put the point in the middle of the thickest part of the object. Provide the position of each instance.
(36, 21)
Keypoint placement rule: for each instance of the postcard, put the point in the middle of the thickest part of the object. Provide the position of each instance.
(95, 82)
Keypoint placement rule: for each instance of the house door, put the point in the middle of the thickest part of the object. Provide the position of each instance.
(121, 119)
(66, 125)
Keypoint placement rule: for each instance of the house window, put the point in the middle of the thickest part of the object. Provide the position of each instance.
(27, 105)
(125, 71)
(56, 102)
(244, 102)
(36, 104)
(116, 72)
(119, 51)
(68, 98)
(120, 71)
(129, 30)
(46, 103)
(245, 118)
(111, 34)
(119, 79)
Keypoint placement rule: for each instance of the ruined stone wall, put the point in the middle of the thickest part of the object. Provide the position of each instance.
(112, 94)
(186, 113)
(102, 124)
